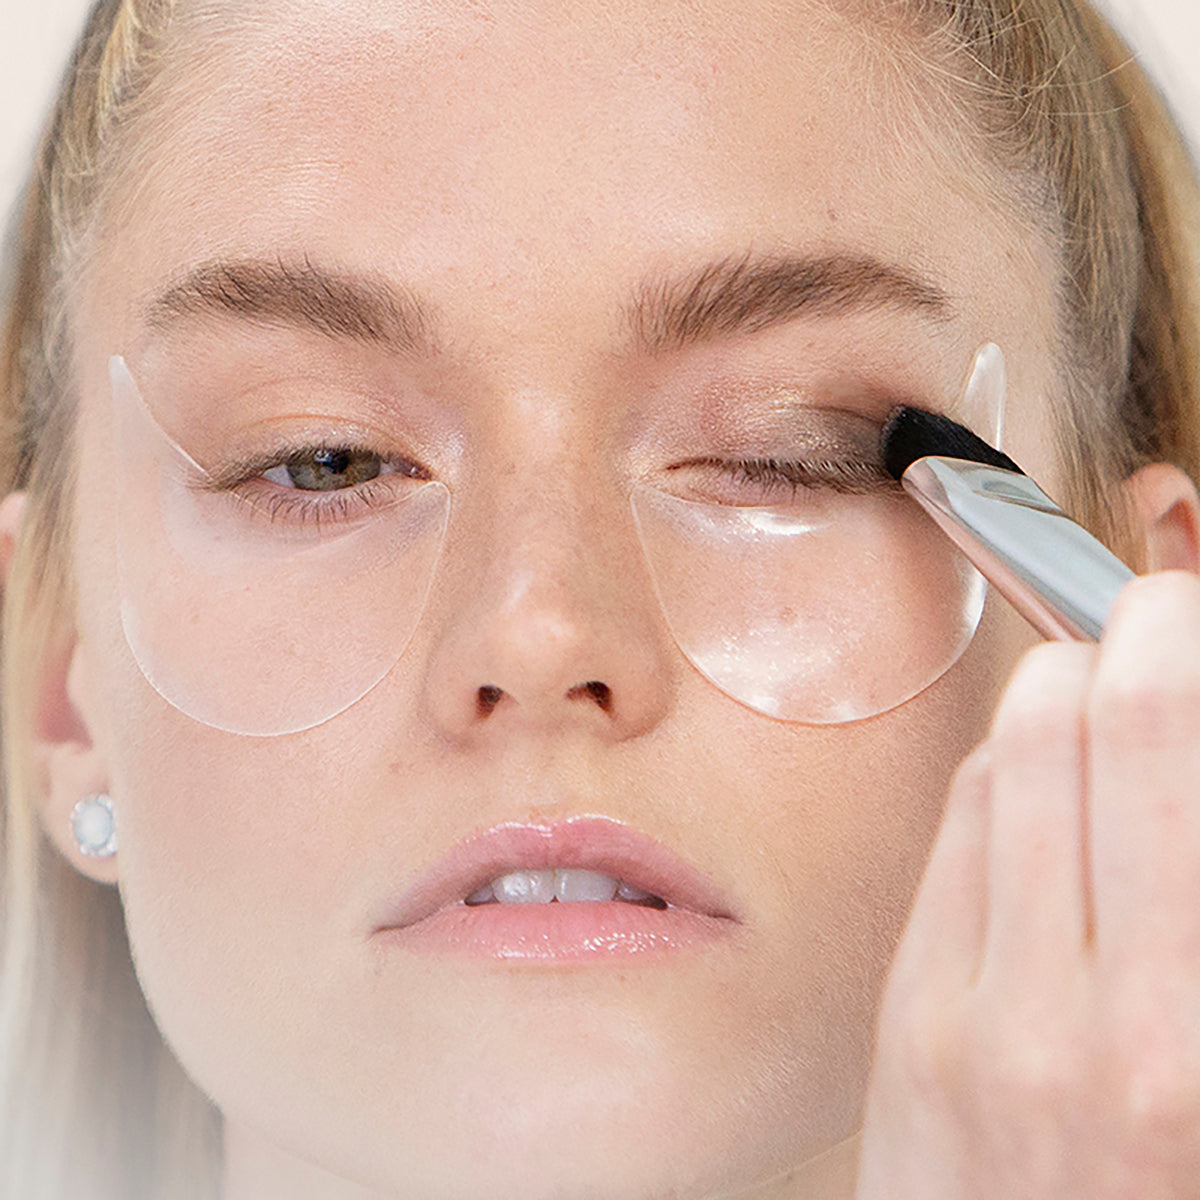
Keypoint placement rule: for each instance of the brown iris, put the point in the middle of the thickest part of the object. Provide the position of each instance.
(330, 470)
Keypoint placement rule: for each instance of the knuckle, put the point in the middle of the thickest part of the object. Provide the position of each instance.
(1147, 685)
(1153, 1068)
(930, 1049)
(974, 773)
(1159, 594)
(1146, 710)
(1027, 1073)
(1160, 1099)
(1044, 698)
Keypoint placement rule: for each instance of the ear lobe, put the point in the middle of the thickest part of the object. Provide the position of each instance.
(1165, 509)
(73, 765)
(69, 765)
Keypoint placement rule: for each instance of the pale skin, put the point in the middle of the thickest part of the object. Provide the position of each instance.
(572, 154)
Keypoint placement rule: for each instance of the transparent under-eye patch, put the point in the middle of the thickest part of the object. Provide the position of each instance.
(833, 606)
(837, 603)
(259, 611)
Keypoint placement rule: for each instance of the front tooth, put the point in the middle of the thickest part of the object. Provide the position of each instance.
(584, 885)
(525, 887)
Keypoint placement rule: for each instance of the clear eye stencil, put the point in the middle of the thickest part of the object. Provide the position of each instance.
(270, 576)
(840, 601)
(263, 605)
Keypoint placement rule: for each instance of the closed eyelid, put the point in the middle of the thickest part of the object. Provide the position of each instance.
(809, 431)
(847, 475)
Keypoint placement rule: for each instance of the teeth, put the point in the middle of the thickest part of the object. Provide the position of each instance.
(584, 885)
(565, 886)
(525, 887)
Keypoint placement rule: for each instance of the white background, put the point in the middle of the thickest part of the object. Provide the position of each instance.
(37, 35)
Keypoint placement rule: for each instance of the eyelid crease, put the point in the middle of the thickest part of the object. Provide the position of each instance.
(813, 431)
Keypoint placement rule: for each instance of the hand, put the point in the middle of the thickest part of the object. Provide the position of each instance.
(1039, 1036)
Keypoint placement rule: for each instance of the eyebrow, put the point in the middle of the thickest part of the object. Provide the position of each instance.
(749, 294)
(721, 299)
(273, 292)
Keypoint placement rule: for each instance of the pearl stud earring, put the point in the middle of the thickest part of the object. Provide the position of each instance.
(94, 825)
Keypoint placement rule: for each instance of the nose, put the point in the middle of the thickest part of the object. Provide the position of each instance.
(545, 617)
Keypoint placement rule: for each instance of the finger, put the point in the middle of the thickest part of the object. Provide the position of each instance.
(943, 941)
(1037, 924)
(1144, 726)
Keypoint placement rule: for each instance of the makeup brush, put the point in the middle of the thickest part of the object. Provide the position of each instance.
(1054, 573)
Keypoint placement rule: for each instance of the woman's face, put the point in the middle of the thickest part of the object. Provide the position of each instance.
(525, 175)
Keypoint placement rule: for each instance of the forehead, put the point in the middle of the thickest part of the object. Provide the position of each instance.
(589, 114)
(510, 159)
(550, 105)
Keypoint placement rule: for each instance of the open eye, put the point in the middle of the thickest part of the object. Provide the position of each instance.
(327, 469)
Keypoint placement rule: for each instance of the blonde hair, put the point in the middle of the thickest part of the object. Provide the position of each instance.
(1059, 99)
(92, 1104)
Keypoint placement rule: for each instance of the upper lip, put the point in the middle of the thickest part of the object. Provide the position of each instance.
(583, 843)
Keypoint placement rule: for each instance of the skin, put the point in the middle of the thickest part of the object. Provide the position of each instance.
(1044, 1042)
(524, 170)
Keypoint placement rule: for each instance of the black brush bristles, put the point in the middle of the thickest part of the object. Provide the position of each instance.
(912, 433)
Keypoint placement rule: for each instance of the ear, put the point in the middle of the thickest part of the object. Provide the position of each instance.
(1165, 511)
(69, 764)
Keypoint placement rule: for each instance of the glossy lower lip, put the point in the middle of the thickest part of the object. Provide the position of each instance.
(432, 916)
(576, 932)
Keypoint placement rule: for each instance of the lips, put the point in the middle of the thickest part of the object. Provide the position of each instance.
(582, 843)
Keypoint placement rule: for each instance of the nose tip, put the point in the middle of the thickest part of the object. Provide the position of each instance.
(557, 629)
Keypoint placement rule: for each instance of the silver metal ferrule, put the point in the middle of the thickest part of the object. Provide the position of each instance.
(1054, 573)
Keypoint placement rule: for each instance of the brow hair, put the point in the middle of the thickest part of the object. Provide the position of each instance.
(333, 303)
(730, 296)
(748, 294)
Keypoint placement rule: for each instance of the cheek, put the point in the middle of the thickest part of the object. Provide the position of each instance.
(864, 801)
(236, 852)
(241, 880)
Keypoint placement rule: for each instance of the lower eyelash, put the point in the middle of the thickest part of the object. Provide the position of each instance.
(301, 509)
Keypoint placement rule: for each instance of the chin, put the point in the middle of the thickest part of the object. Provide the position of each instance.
(673, 1157)
(563, 1132)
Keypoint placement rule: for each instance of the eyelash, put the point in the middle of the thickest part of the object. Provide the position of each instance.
(846, 476)
(297, 506)
(304, 507)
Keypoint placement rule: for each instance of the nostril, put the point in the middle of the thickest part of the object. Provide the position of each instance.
(596, 690)
(489, 696)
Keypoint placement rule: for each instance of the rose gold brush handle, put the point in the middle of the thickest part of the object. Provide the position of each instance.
(1054, 573)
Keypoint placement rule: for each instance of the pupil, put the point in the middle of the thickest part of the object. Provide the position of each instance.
(335, 461)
